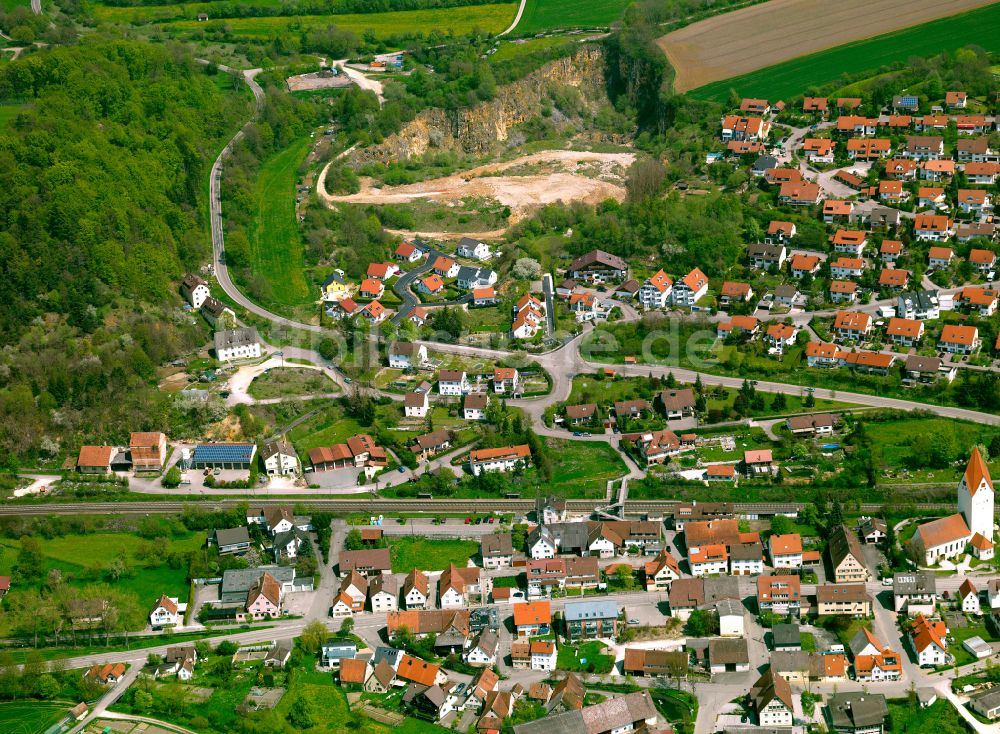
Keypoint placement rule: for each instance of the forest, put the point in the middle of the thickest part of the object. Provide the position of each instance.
(102, 209)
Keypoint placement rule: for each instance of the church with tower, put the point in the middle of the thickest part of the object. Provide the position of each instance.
(971, 527)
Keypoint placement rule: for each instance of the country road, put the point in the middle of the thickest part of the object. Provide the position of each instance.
(564, 361)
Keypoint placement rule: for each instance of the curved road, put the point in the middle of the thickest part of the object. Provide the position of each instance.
(563, 362)
(512, 26)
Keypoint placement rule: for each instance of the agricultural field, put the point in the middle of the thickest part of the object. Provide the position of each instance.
(547, 15)
(457, 21)
(764, 36)
(276, 252)
(30, 717)
(428, 554)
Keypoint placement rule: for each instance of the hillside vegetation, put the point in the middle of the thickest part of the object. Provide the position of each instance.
(102, 194)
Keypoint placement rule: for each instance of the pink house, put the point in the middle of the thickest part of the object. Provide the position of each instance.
(263, 599)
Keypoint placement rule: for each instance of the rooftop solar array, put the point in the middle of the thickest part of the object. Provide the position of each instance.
(224, 452)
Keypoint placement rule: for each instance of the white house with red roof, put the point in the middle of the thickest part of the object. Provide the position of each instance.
(688, 290)
(655, 292)
(168, 612)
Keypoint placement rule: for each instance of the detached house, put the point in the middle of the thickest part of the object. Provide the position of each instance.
(959, 339)
(852, 325)
(785, 550)
(598, 266)
(771, 697)
(799, 193)
(656, 291)
(689, 290)
(404, 355)
(905, 332)
(926, 638)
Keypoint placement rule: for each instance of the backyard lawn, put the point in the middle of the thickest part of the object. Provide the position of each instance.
(410, 552)
(588, 657)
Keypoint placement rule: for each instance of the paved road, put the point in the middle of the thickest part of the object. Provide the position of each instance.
(36, 7)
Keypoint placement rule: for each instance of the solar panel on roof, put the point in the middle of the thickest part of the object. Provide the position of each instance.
(233, 452)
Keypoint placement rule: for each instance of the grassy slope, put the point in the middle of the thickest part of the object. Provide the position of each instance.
(981, 27)
(29, 717)
(276, 246)
(460, 21)
(544, 15)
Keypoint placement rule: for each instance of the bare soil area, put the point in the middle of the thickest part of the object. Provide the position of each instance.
(548, 177)
(762, 35)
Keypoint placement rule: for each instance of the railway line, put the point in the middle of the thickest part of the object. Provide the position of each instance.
(389, 506)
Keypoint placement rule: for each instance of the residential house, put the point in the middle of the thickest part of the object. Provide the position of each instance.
(802, 265)
(243, 343)
(766, 257)
(923, 147)
(746, 559)
(677, 403)
(453, 382)
(371, 288)
(473, 249)
(689, 290)
(445, 267)
(927, 640)
(474, 406)
(758, 462)
(591, 619)
(819, 424)
(847, 267)
(856, 712)
(505, 380)
(598, 266)
(660, 572)
(405, 355)
(799, 193)
(709, 559)
(845, 557)
(431, 444)
(280, 458)
(147, 450)
(959, 339)
(818, 150)
(785, 550)
(905, 332)
(167, 612)
(914, 592)
(368, 562)
(432, 285)
(780, 233)
(383, 593)
(482, 652)
(409, 252)
(416, 404)
(415, 590)
(968, 598)
(779, 594)
(457, 586)
(231, 541)
(732, 292)
(853, 325)
(195, 290)
(470, 278)
(868, 149)
(655, 293)
(662, 663)
(837, 211)
(736, 127)
(532, 619)
(779, 336)
(496, 550)
(499, 459)
(354, 587)
(728, 655)
(935, 228)
(843, 291)
(771, 698)
(849, 600)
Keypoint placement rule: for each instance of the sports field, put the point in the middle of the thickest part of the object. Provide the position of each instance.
(547, 15)
(458, 21)
(29, 717)
(764, 36)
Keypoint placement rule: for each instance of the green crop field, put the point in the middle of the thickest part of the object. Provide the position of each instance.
(276, 252)
(546, 15)
(781, 81)
(29, 717)
(458, 21)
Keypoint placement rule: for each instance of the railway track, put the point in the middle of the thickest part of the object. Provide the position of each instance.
(387, 506)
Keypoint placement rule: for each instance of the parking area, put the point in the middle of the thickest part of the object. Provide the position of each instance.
(298, 603)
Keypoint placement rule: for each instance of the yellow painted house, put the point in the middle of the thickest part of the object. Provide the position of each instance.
(335, 287)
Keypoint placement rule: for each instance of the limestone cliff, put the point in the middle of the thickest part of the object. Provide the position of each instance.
(481, 129)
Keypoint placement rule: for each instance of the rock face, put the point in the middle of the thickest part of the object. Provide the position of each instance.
(483, 128)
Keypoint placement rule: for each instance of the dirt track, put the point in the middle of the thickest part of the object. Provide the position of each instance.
(762, 35)
(547, 177)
